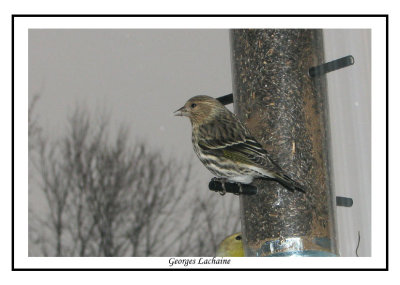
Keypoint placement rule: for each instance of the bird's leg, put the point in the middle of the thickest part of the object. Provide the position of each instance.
(240, 189)
(222, 181)
(223, 192)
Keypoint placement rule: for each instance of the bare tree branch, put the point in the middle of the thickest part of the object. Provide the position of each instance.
(108, 196)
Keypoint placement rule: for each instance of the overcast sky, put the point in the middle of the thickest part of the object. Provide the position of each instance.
(139, 76)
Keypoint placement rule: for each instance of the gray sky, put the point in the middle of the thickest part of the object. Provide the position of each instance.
(141, 76)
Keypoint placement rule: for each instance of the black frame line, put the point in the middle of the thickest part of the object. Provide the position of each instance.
(13, 16)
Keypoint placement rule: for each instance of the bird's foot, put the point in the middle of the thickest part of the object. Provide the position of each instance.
(222, 181)
(223, 192)
(240, 189)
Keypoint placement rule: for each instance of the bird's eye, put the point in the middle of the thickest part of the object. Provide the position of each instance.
(238, 237)
(193, 105)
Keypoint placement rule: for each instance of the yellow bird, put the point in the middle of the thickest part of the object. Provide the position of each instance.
(232, 246)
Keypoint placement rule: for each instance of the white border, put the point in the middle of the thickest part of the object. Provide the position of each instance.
(378, 26)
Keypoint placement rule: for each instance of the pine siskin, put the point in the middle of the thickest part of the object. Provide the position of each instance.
(226, 147)
(231, 246)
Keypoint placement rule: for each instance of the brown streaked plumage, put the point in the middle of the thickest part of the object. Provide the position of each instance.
(226, 147)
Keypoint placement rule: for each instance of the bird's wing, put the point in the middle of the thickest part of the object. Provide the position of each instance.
(234, 142)
(248, 151)
(221, 133)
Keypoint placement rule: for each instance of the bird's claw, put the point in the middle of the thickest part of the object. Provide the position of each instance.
(222, 181)
(240, 189)
(223, 192)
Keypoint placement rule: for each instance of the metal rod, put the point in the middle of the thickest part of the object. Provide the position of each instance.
(331, 66)
(233, 188)
(344, 201)
(226, 99)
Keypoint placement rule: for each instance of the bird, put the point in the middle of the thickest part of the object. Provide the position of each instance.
(232, 246)
(226, 147)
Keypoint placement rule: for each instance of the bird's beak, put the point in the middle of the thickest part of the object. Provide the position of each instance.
(181, 112)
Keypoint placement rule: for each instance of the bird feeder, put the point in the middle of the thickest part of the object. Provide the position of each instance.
(284, 106)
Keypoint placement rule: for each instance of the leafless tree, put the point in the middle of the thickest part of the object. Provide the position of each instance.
(34, 133)
(216, 218)
(112, 197)
(33, 126)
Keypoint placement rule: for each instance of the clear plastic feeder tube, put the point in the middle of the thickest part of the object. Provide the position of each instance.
(286, 110)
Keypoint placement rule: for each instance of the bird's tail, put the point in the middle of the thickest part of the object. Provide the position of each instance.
(289, 183)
